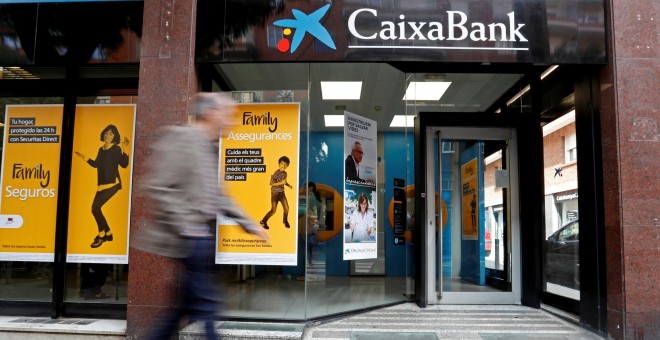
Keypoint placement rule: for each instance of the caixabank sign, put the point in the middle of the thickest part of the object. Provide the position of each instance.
(454, 28)
(515, 31)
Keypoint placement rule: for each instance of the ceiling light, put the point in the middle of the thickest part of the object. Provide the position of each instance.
(333, 90)
(426, 90)
(334, 120)
(403, 121)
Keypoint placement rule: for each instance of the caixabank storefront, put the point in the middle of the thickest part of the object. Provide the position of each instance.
(441, 152)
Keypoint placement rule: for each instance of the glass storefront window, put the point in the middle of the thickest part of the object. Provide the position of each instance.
(49, 33)
(99, 209)
(561, 251)
(29, 180)
(34, 131)
(26, 281)
(320, 281)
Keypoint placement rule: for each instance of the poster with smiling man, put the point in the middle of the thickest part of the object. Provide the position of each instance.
(360, 196)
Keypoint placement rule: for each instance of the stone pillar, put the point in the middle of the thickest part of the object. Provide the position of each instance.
(630, 133)
(168, 81)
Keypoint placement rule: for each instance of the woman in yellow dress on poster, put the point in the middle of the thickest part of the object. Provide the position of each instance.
(107, 162)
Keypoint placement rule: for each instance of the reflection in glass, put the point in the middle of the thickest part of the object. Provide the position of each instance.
(26, 281)
(475, 235)
(86, 32)
(561, 247)
(495, 219)
(235, 35)
(555, 32)
(97, 283)
(322, 283)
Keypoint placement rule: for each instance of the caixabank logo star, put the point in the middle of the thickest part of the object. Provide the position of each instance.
(303, 24)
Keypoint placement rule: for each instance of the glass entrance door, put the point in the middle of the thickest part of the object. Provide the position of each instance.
(473, 220)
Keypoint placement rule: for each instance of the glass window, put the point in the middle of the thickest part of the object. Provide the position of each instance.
(571, 233)
(570, 146)
(494, 197)
(26, 281)
(99, 202)
(447, 147)
(561, 250)
(43, 33)
(31, 130)
(274, 36)
(320, 281)
(11, 41)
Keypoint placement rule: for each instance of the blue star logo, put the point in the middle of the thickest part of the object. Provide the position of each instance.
(558, 172)
(304, 23)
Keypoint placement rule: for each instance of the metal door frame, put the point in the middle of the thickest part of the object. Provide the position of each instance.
(433, 293)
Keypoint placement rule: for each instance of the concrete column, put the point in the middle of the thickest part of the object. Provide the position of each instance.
(168, 81)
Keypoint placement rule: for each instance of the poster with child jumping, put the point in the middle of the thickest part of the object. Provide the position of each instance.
(259, 164)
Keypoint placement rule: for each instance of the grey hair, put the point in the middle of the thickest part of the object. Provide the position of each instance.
(355, 144)
(211, 100)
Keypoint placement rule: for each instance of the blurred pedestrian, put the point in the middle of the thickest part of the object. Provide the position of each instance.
(183, 182)
(313, 214)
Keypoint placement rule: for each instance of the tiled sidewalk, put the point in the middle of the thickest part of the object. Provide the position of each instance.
(407, 321)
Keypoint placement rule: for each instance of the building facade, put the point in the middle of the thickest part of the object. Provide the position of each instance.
(549, 120)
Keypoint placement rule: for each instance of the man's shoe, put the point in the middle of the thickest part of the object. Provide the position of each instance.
(264, 224)
(107, 237)
(286, 224)
(98, 241)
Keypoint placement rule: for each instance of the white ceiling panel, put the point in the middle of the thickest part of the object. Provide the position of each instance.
(382, 89)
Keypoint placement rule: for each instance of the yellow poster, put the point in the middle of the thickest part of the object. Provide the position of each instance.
(259, 167)
(470, 203)
(100, 192)
(30, 173)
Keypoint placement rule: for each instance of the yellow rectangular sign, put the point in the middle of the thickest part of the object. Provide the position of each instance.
(30, 176)
(470, 200)
(259, 165)
(101, 177)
